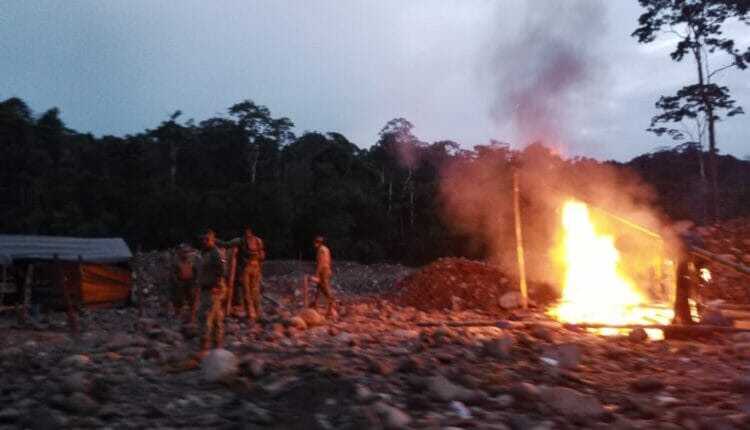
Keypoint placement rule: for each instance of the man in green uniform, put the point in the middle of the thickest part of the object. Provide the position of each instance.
(211, 282)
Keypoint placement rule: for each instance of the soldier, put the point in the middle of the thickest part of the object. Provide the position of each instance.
(250, 255)
(687, 269)
(322, 274)
(183, 279)
(211, 282)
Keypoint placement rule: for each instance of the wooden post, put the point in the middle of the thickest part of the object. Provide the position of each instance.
(519, 241)
(4, 284)
(230, 289)
(23, 316)
(139, 278)
(305, 300)
(72, 317)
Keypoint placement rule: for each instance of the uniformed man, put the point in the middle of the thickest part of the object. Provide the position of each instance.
(183, 279)
(322, 274)
(250, 254)
(211, 282)
(687, 272)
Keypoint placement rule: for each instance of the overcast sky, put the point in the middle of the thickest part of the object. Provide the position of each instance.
(465, 70)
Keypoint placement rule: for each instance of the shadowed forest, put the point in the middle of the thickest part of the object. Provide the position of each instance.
(159, 187)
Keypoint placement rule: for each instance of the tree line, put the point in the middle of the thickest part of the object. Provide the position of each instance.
(159, 187)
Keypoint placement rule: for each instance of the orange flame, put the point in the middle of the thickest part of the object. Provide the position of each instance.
(594, 289)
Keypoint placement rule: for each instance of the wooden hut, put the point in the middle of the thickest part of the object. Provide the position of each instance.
(55, 271)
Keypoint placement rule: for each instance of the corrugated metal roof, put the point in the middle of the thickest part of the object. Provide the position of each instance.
(98, 250)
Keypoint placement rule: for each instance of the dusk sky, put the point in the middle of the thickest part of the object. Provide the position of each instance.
(464, 70)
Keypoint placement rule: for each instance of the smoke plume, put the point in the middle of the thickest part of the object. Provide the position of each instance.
(544, 67)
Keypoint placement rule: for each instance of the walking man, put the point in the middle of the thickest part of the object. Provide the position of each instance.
(323, 274)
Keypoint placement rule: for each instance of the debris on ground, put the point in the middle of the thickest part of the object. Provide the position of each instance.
(454, 284)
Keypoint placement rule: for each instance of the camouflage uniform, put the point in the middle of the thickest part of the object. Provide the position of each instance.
(211, 282)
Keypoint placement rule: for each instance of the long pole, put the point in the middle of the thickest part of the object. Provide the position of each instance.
(232, 274)
(519, 240)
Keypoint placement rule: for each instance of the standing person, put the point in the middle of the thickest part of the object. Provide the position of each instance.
(183, 279)
(323, 274)
(211, 282)
(687, 272)
(250, 254)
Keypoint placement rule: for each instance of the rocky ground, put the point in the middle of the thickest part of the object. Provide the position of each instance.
(731, 240)
(374, 365)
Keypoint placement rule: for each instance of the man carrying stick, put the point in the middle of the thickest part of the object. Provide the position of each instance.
(250, 254)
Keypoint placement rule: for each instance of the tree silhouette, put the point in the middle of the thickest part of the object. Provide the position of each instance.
(699, 28)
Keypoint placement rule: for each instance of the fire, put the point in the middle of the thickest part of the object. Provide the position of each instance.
(594, 289)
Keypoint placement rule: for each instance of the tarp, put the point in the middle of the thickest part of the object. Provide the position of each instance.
(99, 250)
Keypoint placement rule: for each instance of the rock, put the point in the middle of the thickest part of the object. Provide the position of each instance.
(460, 410)
(443, 334)
(9, 415)
(76, 360)
(541, 332)
(297, 322)
(524, 392)
(252, 412)
(646, 384)
(741, 384)
(77, 382)
(81, 404)
(447, 391)
(255, 366)
(133, 351)
(123, 340)
(362, 393)
(311, 317)
(511, 300)
(406, 334)
(346, 338)
(500, 347)
(638, 335)
(393, 418)
(219, 365)
(572, 404)
(567, 355)
(45, 418)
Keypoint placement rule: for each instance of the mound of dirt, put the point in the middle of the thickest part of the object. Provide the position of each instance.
(731, 240)
(454, 283)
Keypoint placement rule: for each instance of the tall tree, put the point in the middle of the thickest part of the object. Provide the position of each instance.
(699, 28)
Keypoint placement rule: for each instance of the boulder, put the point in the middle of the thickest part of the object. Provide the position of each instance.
(447, 391)
(500, 347)
(219, 365)
(511, 300)
(76, 360)
(79, 403)
(311, 317)
(573, 405)
(392, 417)
(646, 384)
